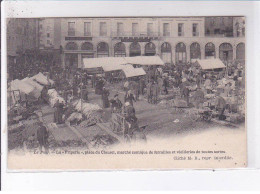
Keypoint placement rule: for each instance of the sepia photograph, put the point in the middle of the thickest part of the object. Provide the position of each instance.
(126, 92)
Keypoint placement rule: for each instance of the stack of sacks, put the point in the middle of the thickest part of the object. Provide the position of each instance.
(91, 112)
(54, 97)
(86, 108)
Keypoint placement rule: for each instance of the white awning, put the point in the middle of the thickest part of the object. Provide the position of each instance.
(207, 64)
(130, 71)
(33, 83)
(89, 63)
(42, 79)
(22, 86)
(108, 68)
(145, 60)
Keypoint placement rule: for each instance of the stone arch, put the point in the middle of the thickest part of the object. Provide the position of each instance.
(71, 46)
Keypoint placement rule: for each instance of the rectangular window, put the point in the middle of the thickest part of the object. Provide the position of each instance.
(180, 29)
(195, 31)
(166, 29)
(71, 28)
(120, 28)
(103, 29)
(134, 29)
(87, 29)
(48, 35)
(150, 29)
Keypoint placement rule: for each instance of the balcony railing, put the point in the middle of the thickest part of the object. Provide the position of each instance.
(135, 34)
(195, 33)
(180, 33)
(166, 33)
(87, 33)
(71, 33)
(228, 34)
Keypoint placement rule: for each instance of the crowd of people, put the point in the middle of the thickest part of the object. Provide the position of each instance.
(184, 79)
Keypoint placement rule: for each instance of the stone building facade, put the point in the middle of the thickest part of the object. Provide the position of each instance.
(174, 39)
(22, 35)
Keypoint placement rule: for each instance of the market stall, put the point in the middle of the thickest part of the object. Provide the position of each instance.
(210, 64)
(129, 72)
(145, 60)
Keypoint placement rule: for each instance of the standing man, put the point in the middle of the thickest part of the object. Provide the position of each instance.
(186, 94)
(149, 92)
(160, 84)
(116, 104)
(141, 86)
(129, 97)
(42, 137)
(84, 93)
(165, 84)
(105, 94)
(220, 106)
(93, 81)
(155, 92)
(136, 90)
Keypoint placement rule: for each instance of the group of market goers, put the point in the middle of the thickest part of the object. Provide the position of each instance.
(153, 85)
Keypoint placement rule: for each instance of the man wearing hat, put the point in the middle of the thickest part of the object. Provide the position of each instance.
(116, 104)
(129, 97)
(131, 120)
(105, 94)
(220, 106)
(42, 137)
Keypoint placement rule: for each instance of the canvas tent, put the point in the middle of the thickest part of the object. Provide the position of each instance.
(116, 62)
(130, 71)
(144, 60)
(109, 68)
(19, 90)
(37, 87)
(89, 63)
(210, 64)
(22, 86)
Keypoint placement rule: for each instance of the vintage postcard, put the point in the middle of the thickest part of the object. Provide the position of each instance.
(106, 93)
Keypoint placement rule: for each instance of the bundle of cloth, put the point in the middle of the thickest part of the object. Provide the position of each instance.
(26, 91)
(88, 113)
(42, 79)
(54, 97)
(37, 87)
(87, 109)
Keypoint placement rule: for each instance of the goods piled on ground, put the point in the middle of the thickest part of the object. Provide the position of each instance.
(103, 141)
(42, 79)
(85, 113)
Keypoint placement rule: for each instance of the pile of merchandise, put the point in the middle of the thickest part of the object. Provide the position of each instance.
(54, 97)
(84, 113)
